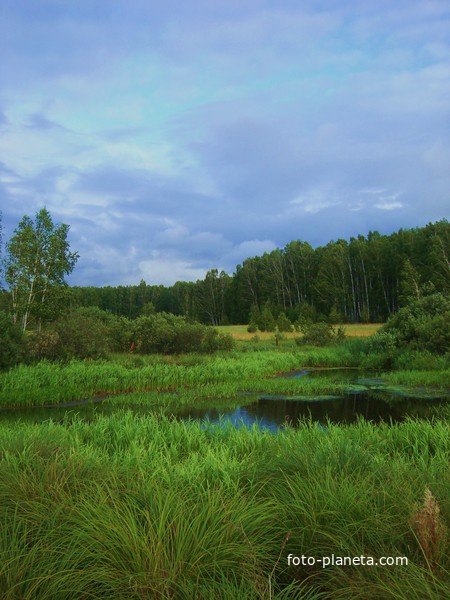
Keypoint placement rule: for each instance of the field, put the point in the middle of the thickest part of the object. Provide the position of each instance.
(142, 506)
(239, 332)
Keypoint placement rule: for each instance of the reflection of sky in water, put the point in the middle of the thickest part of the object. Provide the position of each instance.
(273, 413)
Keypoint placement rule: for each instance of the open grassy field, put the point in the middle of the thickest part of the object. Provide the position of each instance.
(239, 332)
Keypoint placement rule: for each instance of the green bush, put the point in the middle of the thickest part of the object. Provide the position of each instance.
(118, 329)
(422, 325)
(79, 334)
(283, 324)
(170, 334)
(320, 334)
(266, 320)
(12, 342)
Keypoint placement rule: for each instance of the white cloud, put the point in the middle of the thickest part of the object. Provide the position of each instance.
(388, 205)
(167, 271)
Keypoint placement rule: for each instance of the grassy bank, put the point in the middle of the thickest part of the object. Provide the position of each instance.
(143, 507)
(219, 375)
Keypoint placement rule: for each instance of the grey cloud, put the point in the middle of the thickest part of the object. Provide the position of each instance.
(304, 110)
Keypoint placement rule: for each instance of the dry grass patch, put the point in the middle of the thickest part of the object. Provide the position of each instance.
(239, 332)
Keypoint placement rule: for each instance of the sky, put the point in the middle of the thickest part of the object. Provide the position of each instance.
(180, 136)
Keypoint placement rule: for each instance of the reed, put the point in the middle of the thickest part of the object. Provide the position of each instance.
(217, 376)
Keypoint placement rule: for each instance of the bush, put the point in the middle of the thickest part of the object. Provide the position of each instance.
(118, 329)
(12, 342)
(283, 324)
(266, 321)
(170, 334)
(43, 345)
(78, 335)
(422, 325)
(320, 334)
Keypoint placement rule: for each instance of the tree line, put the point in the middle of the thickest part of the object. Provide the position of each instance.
(366, 279)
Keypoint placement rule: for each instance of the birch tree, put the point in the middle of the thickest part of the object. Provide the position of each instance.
(37, 259)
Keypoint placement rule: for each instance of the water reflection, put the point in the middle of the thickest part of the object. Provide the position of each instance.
(272, 413)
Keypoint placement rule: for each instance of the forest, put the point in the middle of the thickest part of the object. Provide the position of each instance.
(365, 279)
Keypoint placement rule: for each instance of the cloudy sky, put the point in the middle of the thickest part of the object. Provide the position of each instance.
(179, 136)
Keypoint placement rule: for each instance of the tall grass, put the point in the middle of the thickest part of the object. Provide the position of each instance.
(52, 383)
(219, 375)
(145, 507)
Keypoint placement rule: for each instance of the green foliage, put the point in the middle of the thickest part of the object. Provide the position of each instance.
(424, 324)
(266, 320)
(148, 309)
(320, 334)
(335, 316)
(254, 318)
(79, 333)
(118, 329)
(409, 284)
(378, 351)
(170, 334)
(37, 259)
(12, 342)
(283, 324)
(365, 279)
(306, 313)
(81, 336)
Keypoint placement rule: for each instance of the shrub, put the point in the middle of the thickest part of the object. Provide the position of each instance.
(43, 345)
(283, 324)
(320, 334)
(169, 334)
(266, 321)
(423, 325)
(80, 335)
(214, 340)
(12, 342)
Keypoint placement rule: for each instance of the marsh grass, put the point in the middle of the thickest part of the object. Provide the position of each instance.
(218, 376)
(53, 383)
(133, 506)
(414, 377)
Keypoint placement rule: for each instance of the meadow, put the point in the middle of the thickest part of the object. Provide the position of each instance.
(239, 332)
(145, 506)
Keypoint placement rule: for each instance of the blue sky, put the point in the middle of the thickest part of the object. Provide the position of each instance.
(177, 137)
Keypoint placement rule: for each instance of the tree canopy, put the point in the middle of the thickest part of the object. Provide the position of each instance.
(367, 278)
(37, 259)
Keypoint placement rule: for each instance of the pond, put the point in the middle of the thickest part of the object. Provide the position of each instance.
(274, 412)
(373, 401)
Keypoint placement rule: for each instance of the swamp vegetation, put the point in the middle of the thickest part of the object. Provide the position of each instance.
(134, 504)
(113, 487)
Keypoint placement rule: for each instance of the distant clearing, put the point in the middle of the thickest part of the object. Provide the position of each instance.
(239, 332)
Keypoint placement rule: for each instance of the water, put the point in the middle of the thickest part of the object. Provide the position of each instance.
(272, 412)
